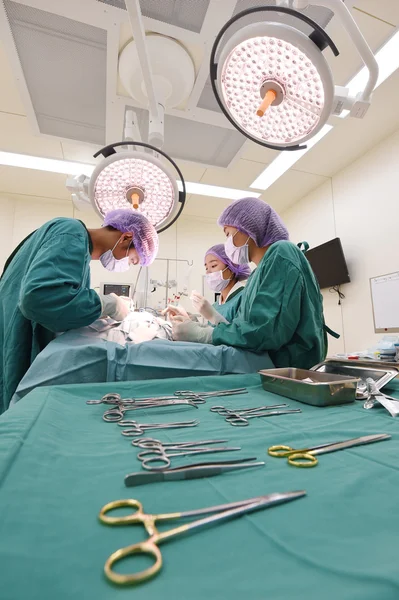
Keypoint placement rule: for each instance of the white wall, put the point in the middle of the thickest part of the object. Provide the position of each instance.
(189, 239)
(360, 204)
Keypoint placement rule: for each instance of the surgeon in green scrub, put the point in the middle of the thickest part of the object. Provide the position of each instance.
(45, 285)
(281, 308)
(225, 277)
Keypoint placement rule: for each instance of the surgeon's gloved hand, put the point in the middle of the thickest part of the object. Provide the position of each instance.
(113, 306)
(173, 311)
(205, 308)
(189, 331)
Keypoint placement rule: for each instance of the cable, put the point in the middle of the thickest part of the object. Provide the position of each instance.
(335, 290)
(135, 285)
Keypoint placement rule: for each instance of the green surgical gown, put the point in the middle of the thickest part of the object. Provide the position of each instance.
(44, 290)
(229, 309)
(281, 311)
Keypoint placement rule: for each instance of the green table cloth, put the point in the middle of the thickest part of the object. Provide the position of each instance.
(60, 463)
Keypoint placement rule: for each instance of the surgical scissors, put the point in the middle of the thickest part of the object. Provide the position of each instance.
(160, 452)
(305, 457)
(113, 415)
(150, 547)
(136, 428)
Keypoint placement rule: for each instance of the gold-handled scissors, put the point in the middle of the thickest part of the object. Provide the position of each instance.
(305, 457)
(149, 547)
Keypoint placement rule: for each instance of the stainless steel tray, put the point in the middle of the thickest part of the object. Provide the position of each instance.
(381, 374)
(325, 389)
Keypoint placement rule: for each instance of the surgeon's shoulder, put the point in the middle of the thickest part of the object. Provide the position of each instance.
(66, 225)
(287, 252)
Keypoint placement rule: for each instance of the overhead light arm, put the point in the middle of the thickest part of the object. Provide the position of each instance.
(132, 131)
(156, 109)
(342, 11)
(136, 23)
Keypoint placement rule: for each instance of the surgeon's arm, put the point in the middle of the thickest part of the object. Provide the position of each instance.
(53, 291)
(273, 316)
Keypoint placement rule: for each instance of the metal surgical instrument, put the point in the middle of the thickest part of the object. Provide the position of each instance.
(225, 412)
(242, 420)
(305, 457)
(192, 471)
(135, 428)
(160, 452)
(150, 547)
(116, 414)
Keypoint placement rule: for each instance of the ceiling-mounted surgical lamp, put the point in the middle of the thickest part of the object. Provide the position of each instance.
(272, 81)
(133, 179)
(158, 73)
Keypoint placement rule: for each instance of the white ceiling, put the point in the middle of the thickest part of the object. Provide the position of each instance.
(350, 138)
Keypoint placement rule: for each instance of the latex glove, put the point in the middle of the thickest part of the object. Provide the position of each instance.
(172, 311)
(113, 306)
(189, 331)
(206, 309)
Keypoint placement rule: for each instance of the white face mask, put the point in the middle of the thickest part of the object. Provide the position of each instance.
(111, 263)
(216, 282)
(239, 255)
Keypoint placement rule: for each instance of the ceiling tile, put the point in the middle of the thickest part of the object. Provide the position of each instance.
(290, 188)
(191, 171)
(258, 153)
(29, 182)
(9, 97)
(349, 62)
(79, 152)
(16, 136)
(353, 137)
(240, 175)
(383, 9)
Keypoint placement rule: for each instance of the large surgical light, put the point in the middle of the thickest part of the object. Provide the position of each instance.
(133, 179)
(273, 82)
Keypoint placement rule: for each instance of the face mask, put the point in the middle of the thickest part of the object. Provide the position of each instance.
(216, 282)
(239, 255)
(111, 263)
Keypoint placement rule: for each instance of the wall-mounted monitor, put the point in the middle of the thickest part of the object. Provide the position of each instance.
(328, 264)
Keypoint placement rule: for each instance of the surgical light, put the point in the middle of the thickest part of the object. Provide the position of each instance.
(274, 84)
(133, 179)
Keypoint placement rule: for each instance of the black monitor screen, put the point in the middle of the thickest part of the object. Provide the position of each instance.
(329, 264)
(117, 288)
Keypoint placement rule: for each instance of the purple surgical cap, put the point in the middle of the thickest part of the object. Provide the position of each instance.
(145, 237)
(240, 272)
(255, 218)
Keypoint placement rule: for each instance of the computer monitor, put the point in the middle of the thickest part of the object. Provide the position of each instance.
(385, 301)
(120, 289)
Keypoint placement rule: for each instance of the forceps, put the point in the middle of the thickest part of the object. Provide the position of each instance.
(242, 420)
(191, 394)
(115, 414)
(149, 547)
(136, 428)
(160, 452)
(117, 400)
(225, 412)
(305, 456)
